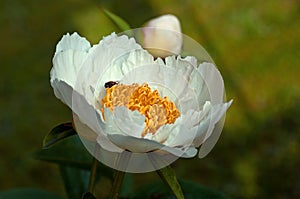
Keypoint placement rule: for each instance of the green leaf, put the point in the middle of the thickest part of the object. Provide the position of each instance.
(118, 21)
(69, 151)
(191, 190)
(168, 175)
(28, 193)
(76, 181)
(58, 133)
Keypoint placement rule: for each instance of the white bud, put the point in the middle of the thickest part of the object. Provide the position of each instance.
(162, 36)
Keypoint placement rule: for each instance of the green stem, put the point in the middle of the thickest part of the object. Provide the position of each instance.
(117, 185)
(93, 175)
(121, 165)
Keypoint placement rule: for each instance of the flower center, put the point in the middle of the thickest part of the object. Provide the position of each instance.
(157, 111)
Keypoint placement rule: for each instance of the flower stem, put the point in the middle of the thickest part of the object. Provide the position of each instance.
(117, 185)
(93, 175)
(122, 164)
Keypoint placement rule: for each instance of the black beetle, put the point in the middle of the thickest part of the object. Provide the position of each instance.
(110, 84)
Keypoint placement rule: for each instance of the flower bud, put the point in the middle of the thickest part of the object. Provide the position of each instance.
(162, 36)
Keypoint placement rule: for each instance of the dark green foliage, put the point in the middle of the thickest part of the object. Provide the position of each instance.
(28, 194)
(76, 181)
(191, 190)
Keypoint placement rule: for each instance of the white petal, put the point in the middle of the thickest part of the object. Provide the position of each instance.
(62, 91)
(133, 144)
(110, 126)
(135, 70)
(131, 123)
(90, 117)
(193, 118)
(214, 82)
(70, 53)
(183, 66)
(106, 144)
(212, 135)
(185, 129)
(139, 67)
(183, 71)
(88, 123)
(182, 151)
(109, 49)
(218, 112)
(199, 87)
(161, 134)
(66, 66)
(181, 136)
(188, 83)
(123, 121)
(140, 145)
(202, 131)
(100, 59)
(190, 152)
(72, 42)
(123, 65)
(86, 113)
(192, 60)
(139, 57)
(83, 130)
(212, 114)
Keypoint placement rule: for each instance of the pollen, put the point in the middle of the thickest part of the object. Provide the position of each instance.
(158, 111)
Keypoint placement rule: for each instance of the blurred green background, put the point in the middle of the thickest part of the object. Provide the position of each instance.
(256, 45)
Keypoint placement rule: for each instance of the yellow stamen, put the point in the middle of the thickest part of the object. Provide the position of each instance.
(157, 111)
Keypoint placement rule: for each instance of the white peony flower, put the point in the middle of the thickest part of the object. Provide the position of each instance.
(153, 111)
(162, 36)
